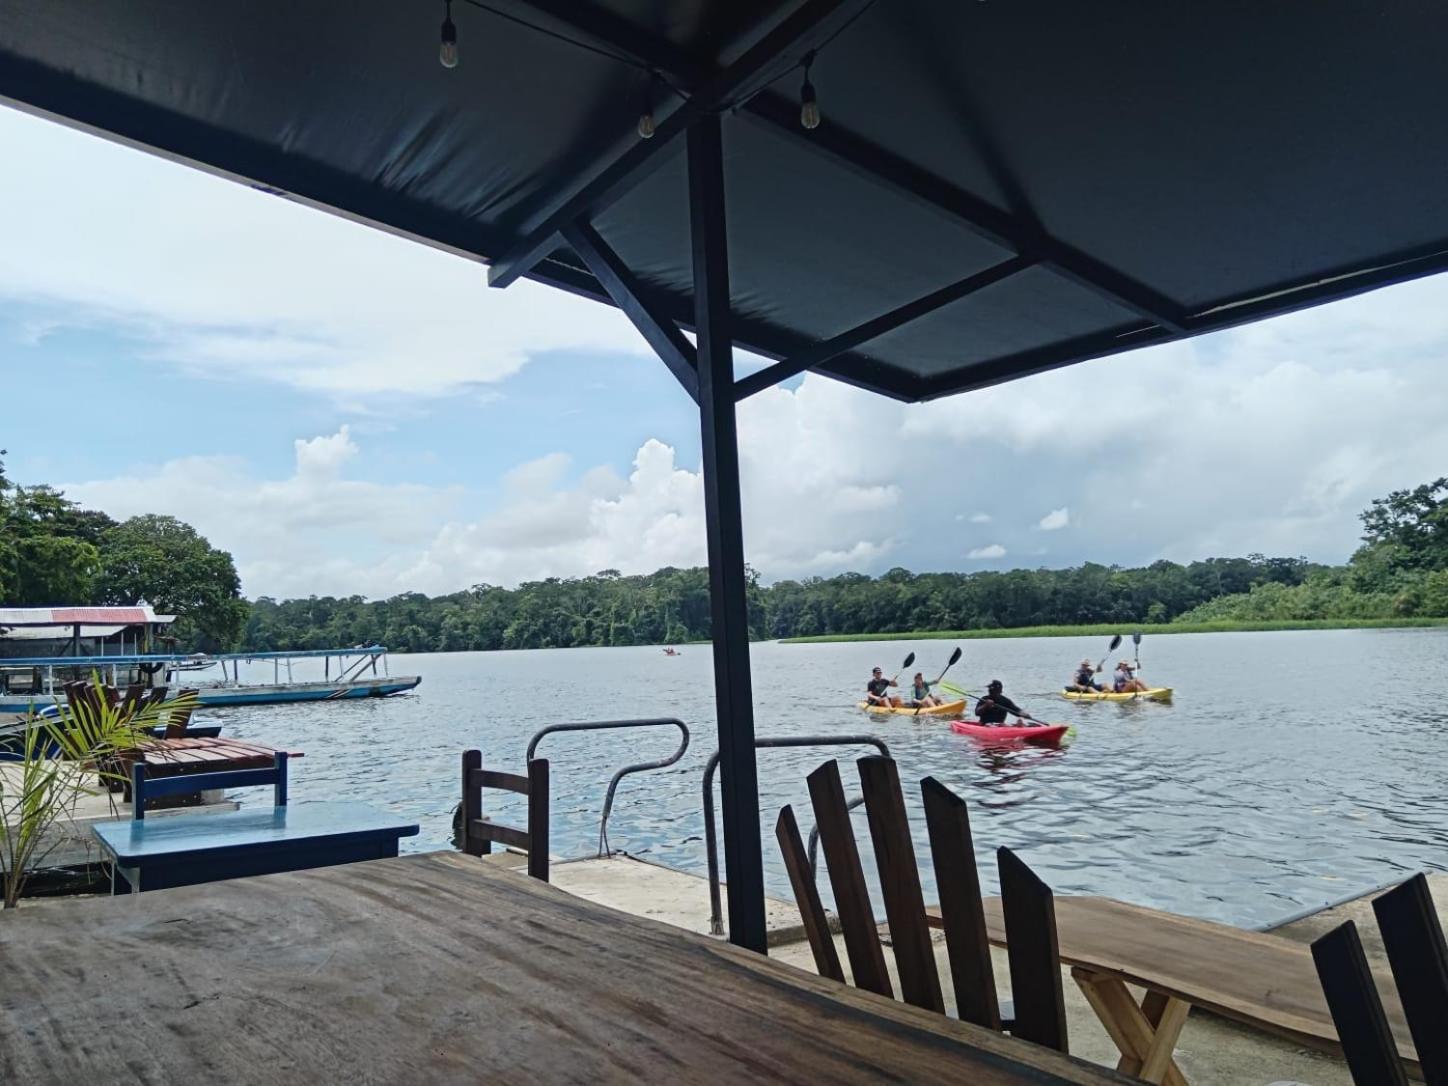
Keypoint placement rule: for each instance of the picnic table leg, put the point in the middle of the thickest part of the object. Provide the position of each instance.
(1145, 1034)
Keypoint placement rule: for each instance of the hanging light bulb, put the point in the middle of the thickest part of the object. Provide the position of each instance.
(447, 52)
(809, 107)
(647, 126)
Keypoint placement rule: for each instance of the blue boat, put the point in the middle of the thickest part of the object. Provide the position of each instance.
(31, 683)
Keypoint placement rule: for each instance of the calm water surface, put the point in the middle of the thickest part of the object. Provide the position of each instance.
(1291, 769)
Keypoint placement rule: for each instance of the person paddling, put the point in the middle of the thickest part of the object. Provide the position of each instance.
(1126, 681)
(876, 690)
(1085, 679)
(992, 708)
(920, 692)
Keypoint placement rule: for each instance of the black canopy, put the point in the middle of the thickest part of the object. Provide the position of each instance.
(1055, 180)
(997, 187)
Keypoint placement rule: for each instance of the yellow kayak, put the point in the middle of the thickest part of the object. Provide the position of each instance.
(1156, 693)
(950, 708)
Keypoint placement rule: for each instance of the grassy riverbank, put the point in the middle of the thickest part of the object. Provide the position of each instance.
(1103, 629)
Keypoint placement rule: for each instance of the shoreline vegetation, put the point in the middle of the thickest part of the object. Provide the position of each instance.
(52, 551)
(1106, 629)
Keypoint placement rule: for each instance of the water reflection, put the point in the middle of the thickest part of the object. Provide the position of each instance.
(1238, 803)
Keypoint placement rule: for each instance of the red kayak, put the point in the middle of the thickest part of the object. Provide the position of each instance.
(1040, 734)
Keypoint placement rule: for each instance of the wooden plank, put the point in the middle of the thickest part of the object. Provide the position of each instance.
(362, 973)
(962, 915)
(900, 883)
(1352, 998)
(492, 778)
(806, 893)
(1030, 919)
(847, 879)
(1168, 1026)
(1258, 979)
(1418, 957)
(489, 830)
(472, 805)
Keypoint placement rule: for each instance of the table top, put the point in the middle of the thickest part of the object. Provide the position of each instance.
(130, 840)
(438, 967)
(1259, 979)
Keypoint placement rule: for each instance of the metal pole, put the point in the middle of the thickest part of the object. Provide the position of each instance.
(729, 609)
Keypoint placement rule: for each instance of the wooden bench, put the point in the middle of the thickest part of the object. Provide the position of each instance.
(183, 850)
(1263, 981)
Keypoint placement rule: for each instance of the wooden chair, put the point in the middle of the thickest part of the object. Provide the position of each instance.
(1037, 987)
(479, 834)
(1418, 957)
(179, 718)
(1356, 1008)
(131, 701)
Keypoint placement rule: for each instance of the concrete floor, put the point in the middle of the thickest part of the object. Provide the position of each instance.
(1211, 1052)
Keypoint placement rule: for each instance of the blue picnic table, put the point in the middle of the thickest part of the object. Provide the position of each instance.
(183, 850)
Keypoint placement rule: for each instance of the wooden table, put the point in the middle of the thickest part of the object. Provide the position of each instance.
(194, 754)
(441, 968)
(185, 850)
(1260, 980)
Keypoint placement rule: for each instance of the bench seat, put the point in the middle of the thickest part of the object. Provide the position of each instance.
(184, 850)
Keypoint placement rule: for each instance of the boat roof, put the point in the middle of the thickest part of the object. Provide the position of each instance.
(49, 623)
(178, 658)
(995, 189)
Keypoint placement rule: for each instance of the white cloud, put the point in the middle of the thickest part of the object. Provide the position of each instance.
(1055, 520)
(994, 550)
(218, 279)
(981, 518)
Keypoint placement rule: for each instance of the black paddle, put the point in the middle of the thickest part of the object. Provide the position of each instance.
(1136, 640)
(954, 659)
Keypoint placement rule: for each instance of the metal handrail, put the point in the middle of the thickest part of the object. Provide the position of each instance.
(639, 767)
(711, 847)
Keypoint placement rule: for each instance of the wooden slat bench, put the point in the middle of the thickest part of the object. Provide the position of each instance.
(1260, 980)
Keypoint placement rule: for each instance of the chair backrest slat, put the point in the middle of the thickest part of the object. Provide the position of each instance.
(900, 883)
(1357, 1009)
(962, 913)
(478, 834)
(1418, 956)
(1030, 916)
(852, 897)
(177, 719)
(811, 909)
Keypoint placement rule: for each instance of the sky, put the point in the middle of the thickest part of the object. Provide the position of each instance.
(350, 413)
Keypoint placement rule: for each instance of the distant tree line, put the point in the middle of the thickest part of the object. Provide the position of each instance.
(672, 605)
(54, 552)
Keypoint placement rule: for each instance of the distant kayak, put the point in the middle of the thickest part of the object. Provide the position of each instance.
(1040, 734)
(950, 708)
(1156, 693)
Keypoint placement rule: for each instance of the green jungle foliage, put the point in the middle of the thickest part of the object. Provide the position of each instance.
(52, 551)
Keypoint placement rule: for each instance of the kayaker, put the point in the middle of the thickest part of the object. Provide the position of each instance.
(920, 694)
(876, 690)
(992, 708)
(1085, 679)
(1126, 681)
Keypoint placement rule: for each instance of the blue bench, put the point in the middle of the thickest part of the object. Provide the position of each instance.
(182, 850)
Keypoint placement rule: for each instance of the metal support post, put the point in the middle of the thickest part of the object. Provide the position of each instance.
(727, 580)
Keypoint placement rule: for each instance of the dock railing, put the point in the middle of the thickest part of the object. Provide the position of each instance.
(711, 846)
(637, 767)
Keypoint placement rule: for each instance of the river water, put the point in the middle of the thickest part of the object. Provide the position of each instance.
(1292, 768)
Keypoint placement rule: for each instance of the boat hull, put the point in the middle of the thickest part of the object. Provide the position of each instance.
(1041, 735)
(1156, 693)
(950, 708)
(265, 694)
